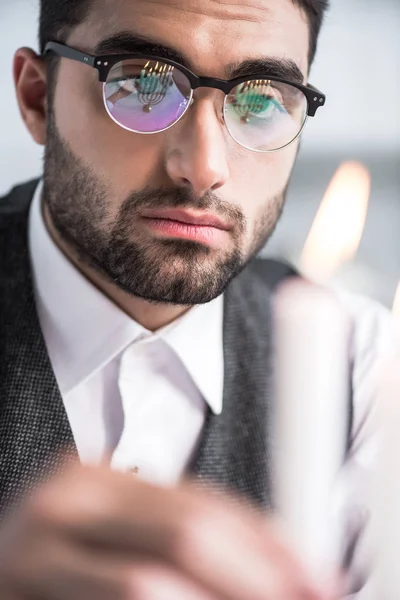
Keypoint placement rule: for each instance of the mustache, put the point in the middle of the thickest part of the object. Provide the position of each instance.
(149, 198)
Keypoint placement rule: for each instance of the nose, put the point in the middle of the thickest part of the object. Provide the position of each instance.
(196, 150)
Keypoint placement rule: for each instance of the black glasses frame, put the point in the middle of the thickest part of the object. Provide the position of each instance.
(104, 64)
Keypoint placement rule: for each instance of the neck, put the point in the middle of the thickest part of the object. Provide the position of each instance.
(150, 315)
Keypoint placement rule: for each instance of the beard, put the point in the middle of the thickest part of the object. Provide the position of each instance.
(169, 271)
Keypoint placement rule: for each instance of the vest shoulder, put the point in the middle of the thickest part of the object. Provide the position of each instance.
(18, 200)
(270, 271)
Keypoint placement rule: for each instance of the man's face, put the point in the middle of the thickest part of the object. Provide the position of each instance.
(102, 182)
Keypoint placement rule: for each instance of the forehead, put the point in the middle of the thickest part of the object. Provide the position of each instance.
(209, 33)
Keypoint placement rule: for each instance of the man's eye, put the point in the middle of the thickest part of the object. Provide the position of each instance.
(146, 83)
(258, 98)
(257, 104)
(260, 104)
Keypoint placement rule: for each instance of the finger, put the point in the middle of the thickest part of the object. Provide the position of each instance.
(157, 582)
(71, 572)
(223, 549)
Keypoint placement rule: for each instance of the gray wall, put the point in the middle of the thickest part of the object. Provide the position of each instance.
(358, 67)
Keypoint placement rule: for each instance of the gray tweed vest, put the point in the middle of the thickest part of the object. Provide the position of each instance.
(234, 452)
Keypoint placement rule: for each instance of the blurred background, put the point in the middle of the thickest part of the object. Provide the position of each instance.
(358, 67)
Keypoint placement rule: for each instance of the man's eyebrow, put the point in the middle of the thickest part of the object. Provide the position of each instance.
(129, 43)
(282, 68)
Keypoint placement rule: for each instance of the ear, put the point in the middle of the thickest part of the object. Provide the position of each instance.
(30, 79)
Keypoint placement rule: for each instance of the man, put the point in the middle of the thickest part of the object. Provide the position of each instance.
(134, 323)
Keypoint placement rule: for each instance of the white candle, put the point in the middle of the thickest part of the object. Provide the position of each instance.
(312, 386)
(385, 508)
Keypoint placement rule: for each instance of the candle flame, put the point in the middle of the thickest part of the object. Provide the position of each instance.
(339, 224)
(396, 303)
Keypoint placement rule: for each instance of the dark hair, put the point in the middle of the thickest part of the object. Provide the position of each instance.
(59, 17)
(315, 11)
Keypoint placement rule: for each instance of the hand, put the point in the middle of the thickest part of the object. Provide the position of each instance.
(93, 534)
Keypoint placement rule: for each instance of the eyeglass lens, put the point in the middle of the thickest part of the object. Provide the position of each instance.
(149, 96)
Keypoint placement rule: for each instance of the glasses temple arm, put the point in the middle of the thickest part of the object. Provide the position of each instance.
(66, 52)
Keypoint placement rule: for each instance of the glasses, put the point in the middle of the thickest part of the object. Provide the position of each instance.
(145, 94)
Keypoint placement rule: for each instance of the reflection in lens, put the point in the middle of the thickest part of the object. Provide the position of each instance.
(146, 96)
(265, 115)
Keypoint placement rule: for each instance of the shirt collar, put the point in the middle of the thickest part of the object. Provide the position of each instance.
(84, 330)
(197, 339)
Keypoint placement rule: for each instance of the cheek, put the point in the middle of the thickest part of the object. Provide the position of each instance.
(261, 179)
(125, 160)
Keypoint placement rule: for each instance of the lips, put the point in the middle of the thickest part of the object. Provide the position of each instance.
(179, 224)
(188, 218)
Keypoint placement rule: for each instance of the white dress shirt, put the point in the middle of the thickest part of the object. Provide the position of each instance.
(136, 397)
